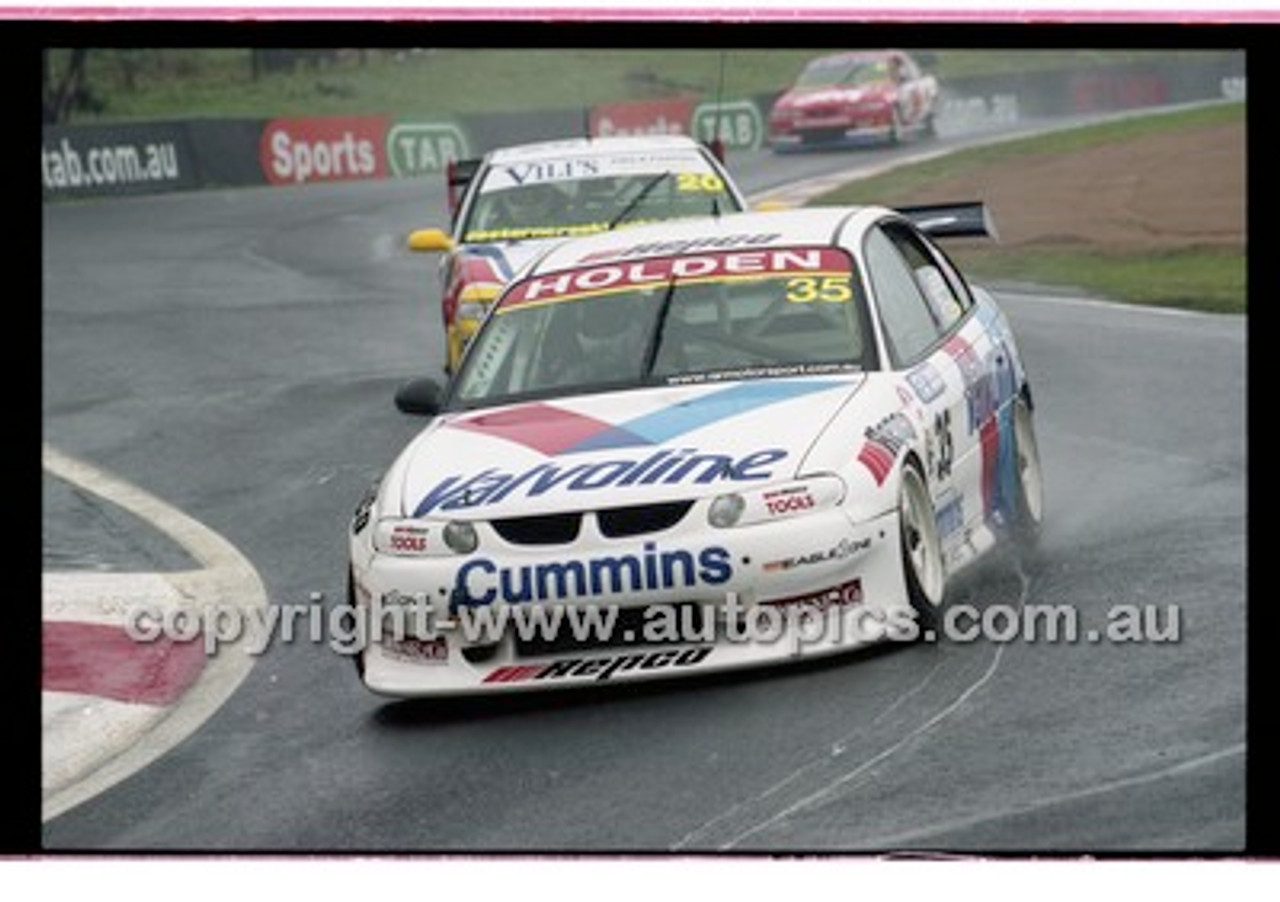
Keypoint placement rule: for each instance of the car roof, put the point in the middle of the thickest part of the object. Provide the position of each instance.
(602, 145)
(852, 55)
(754, 230)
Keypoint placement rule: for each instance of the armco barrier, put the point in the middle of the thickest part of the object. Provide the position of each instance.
(1104, 89)
(225, 151)
(485, 131)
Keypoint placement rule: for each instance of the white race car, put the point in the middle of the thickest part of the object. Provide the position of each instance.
(698, 446)
(509, 206)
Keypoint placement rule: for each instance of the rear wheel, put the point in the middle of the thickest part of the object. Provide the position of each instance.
(1029, 509)
(921, 548)
(897, 131)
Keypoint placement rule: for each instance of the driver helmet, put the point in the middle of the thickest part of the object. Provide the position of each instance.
(597, 196)
(609, 332)
(531, 204)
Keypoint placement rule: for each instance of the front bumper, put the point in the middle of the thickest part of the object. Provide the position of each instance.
(780, 591)
(855, 135)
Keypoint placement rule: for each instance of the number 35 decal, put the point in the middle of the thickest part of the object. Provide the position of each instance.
(830, 289)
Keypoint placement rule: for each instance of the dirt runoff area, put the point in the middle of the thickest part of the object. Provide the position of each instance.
(1177, 190)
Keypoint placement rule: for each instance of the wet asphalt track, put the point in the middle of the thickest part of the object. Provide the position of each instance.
(235, 353)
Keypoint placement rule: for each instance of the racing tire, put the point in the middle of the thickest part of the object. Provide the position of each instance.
(357, 658)
(922, 567)
(897, 131)
(1028, 509)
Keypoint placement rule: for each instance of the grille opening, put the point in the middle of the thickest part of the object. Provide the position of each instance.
(480, 654)
(628, 631)
(638, 519)
(821, 135)
(545, 529)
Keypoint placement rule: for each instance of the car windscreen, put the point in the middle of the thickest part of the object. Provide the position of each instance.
(843, 71)
(671, 320)
(507, 209)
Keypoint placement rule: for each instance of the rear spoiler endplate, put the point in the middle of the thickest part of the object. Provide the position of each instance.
(458, 174)
(969, 219)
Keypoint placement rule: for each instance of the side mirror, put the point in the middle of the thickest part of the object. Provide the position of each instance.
(430, 240)
(420, 397)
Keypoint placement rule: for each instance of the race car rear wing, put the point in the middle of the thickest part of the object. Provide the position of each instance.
(457, 175)
(970, 219)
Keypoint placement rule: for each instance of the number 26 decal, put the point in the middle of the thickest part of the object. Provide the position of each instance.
(830, 289)
(699, 181)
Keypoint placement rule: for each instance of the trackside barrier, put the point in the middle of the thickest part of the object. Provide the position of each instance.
(149, 158)
(119, 159)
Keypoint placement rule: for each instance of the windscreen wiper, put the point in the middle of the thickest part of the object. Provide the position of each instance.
(635, 201)
(659, 328)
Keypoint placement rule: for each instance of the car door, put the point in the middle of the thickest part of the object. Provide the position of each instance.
(910, 90)
(935, 342)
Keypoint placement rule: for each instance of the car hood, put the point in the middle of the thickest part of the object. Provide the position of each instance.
(616, 449)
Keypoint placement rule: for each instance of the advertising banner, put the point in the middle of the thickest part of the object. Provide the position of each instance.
(324, 149)
(116, 159)
(737, 124)
(642, 117)
(421, 148)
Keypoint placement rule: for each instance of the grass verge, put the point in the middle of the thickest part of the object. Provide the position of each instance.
(1208, 279)
(1212, 281)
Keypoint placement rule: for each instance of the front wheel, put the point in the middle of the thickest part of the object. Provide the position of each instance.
(921, 548)
(357, 657)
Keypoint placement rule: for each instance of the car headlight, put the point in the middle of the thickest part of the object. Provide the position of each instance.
(470, 313)
(460, 536)
(474, 301)
(726, 511)
(790, 499)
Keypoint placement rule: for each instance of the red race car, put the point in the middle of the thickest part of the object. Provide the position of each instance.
(859, 97)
